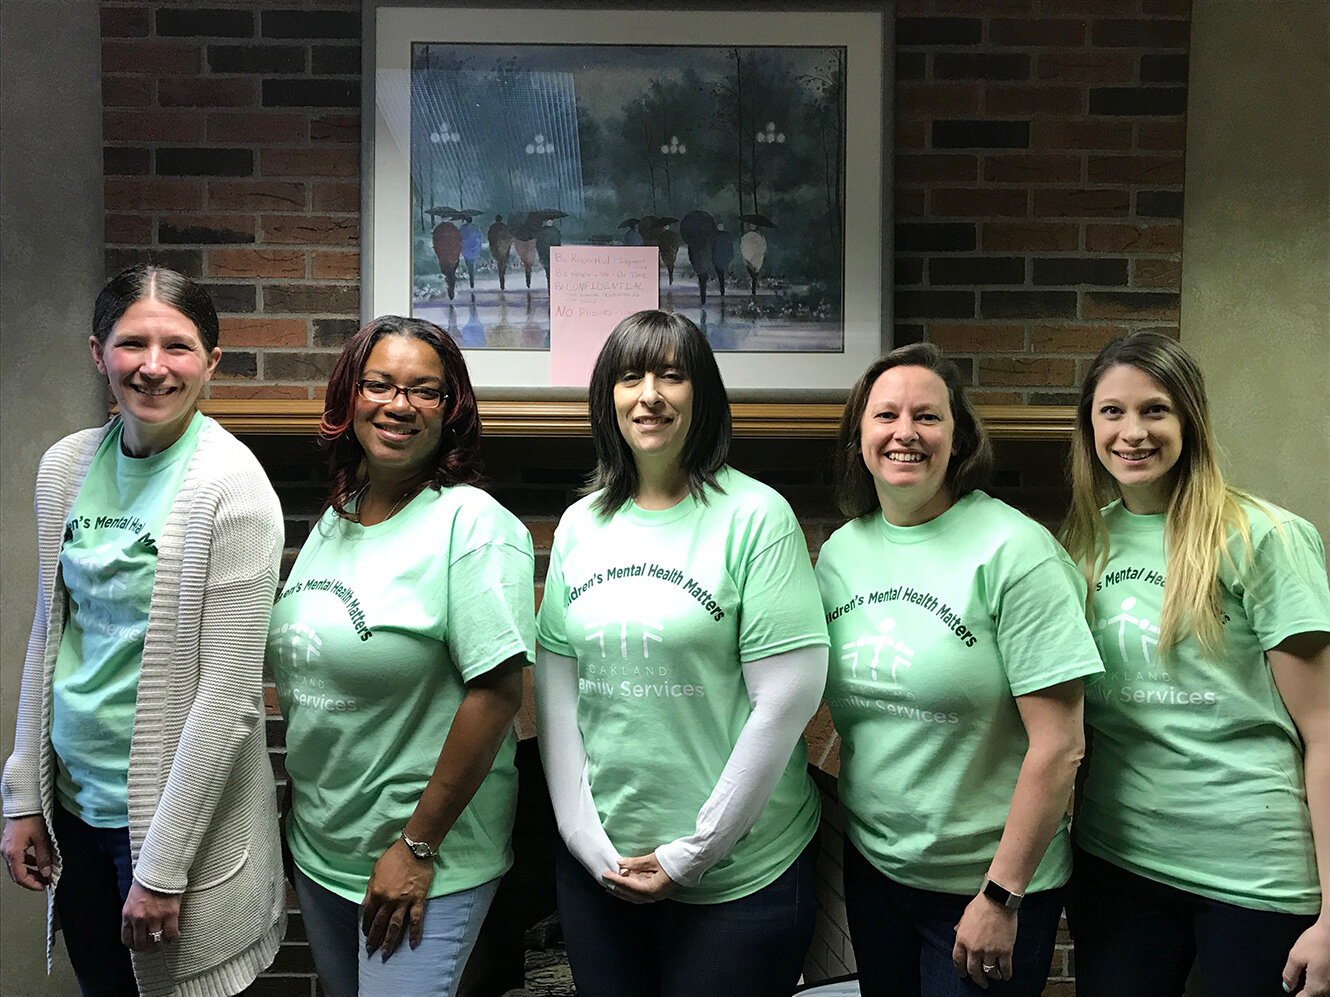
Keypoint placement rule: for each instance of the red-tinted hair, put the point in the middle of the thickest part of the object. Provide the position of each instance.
(459, 453)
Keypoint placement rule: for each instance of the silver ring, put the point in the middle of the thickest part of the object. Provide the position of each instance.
(156, 936)
(989, 969)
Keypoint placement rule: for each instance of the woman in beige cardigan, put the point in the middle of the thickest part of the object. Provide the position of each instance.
(139, 794)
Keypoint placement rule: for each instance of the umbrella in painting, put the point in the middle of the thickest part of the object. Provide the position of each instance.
(631, 237)
(447, 246)
(753, 245)
(656, 232)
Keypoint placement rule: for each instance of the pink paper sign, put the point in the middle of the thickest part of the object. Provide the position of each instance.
(591, 289)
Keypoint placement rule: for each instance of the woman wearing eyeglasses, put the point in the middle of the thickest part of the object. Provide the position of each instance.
(397, 646)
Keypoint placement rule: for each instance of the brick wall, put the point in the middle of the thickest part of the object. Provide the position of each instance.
(1038, 194)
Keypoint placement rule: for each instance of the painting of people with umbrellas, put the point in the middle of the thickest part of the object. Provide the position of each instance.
(729, 160)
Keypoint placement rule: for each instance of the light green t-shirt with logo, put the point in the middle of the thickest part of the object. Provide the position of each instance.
(372, 640)
(1195, 775)
(661, 611)
(107, 563)
(935, 629)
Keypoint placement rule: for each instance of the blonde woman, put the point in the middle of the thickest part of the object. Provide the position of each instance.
(1203, 828)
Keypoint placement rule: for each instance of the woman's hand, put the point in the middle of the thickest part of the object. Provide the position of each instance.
(640, 880)
(395, 897)
(26, 847)
(149, 918)
(985, 937)
(1307, 972)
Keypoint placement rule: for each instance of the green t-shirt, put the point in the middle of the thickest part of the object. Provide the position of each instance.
(935, 629)
(1195, 774)
(107, 563)
(661, 610)
(372, 640)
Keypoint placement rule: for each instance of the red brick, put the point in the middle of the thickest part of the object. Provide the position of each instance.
(1094, 202)
(287, 263)
(1162, 135)
(978, 202)
(259, 391)
(977, 337)
(1028, 237)
(1080, 133)
(936, 167)
(1133, 238)
(270, 705)
(980, 397)
(124, 22)
(126, 91)
(1131, 304)
(1007, 99)
(152, 126)
(910, 204)
(335, 128)
(1026, 371)
(1031, 169)
(1156, 273)
(1155, 171)
(1043, 32)
(256, 127)
(311, 162)
(263, 332)
(937, 100)
(542, 533)
(1072, 338)
(185, 91)
(150, 195)
(336, 197)
(911, 133)
(135, 229)
(304, 230)
(210, 228)
(256, 196)
(1086, 67)
(335, 266)
(151, 58)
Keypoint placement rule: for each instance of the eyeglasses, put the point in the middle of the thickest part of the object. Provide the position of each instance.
(383, 392)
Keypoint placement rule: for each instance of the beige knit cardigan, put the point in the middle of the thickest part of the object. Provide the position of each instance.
(202, 812)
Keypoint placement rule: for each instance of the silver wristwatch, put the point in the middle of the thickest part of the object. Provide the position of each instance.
(420, 849)
(1000, 895)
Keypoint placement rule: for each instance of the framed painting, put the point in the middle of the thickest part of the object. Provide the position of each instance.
(747, 146)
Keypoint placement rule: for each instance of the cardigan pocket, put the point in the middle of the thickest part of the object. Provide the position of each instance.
(218, 877)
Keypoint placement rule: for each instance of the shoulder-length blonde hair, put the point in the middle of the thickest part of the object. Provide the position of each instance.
(1201, 509)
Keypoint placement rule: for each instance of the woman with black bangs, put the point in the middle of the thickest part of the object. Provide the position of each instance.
(397, 645)
(682, 653)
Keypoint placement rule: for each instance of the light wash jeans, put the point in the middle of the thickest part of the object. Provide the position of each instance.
(432, 969)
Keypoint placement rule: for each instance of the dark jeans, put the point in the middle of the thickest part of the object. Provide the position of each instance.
(903, 937)
(1136, 937)
(96, 872)
(750, 947)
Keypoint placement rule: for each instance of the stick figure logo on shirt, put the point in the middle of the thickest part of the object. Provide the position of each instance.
(650, 630)
(1131, 628)
(877, 642)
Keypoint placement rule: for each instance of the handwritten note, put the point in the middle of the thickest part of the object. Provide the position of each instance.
(591, 289)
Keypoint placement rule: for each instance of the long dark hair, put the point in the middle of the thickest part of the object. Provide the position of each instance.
(652, 341)
(459, 454)
(971, 462)
(143, 280)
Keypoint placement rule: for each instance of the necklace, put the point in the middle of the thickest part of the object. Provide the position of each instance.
(410, 493)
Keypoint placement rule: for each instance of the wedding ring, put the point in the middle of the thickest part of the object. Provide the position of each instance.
(156, 936)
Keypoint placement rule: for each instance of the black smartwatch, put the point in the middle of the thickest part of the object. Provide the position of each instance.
(1000, 895)
(420, 849)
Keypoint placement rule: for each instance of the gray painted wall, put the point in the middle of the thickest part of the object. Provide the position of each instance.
(51, 260)
(1256, 242)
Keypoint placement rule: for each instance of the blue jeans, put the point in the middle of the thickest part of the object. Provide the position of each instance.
(750, 947)
(903, 937)
(96, 871)
(432, 969)
(1137, 937)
